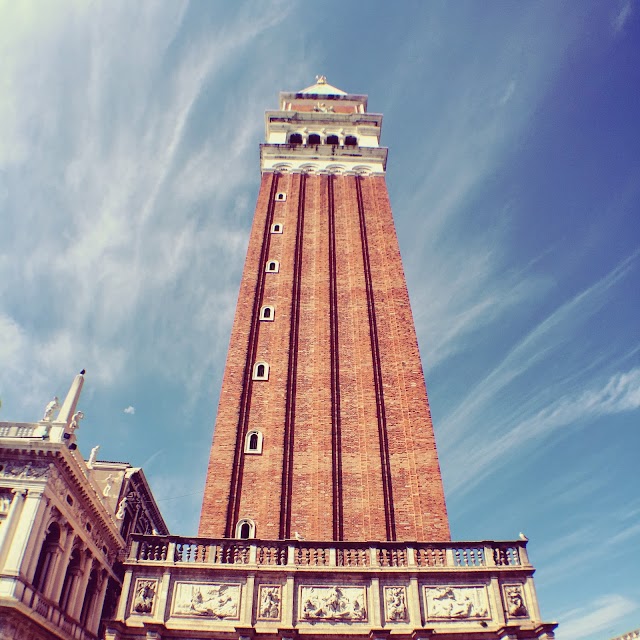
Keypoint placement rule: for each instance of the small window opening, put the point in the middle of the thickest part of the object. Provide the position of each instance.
(276, 228)
(273, 266)
(267, 312)
(295, 138)
(253, 442)
(333, 140)
(245, 529)
(281, 196)
(351, 141)
(314, 138)
(261, 371)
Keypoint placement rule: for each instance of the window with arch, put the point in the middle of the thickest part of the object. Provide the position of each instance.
(333, 139)
(267, 313)
(351, 141)
(245, 529)
(314, 138)
(281, 196)
(276, 227)
(260, 371)
(253, 442)
(295, 138)
(273, 266)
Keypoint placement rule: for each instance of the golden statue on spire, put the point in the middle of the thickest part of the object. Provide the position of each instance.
(321, 79)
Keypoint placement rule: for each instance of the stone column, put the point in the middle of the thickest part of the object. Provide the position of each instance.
(60, 570)
(78, 591)
(9, 524)
(124, 596)
(93, 620)
(23, 529)
(38, 534)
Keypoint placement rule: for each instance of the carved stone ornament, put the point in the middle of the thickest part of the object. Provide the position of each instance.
(395, 604)
(145, 593)
(25, 470)
(207, 600)
(456, 603)
(514, 601)
(269, 602)
(333, 603)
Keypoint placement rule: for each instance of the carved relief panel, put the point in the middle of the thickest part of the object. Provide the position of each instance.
(456, 603)
(395, 604)
(333, 603)
(269, 602)
(144, 596)
(514, 602)
(207, 600)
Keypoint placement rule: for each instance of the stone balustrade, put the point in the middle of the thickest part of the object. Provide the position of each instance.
(301, 554)
(17, 429)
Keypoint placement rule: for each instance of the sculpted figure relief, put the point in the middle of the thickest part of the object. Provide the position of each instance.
(269, 603)
(207, 600)
(145, 592)
(334, 603)
(515, 602)
(456, 602)
(75, 421)
(395, 602)
(122, 508)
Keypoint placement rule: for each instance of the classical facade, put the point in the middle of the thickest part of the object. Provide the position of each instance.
(64, 523)
(323, 512)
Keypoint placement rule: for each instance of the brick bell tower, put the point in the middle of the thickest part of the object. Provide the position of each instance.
(323, 426)
(323, 513)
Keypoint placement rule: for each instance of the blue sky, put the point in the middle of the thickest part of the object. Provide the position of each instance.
(129, 140)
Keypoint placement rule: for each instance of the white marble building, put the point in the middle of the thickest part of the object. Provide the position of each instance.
(64, 523)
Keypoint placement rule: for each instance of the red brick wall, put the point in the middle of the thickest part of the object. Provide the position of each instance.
(411, 463)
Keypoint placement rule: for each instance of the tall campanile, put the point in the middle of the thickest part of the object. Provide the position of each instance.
(323, 427)
(323, 514)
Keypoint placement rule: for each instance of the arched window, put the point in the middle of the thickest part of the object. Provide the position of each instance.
(314, 138)
(281, 197)
(260, 371)
(246, 529)
(276, 227)
(273, 266)
(253, 442)
(351, 141)
(267, 313)
(295, 138)
(333, 139)
(47, 555)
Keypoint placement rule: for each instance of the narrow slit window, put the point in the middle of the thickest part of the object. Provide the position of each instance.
(273, 266)
(276, 227)
(267, 313)
(261, 371)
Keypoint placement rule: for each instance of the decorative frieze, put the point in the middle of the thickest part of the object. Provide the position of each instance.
(333, 603)
(456, 603)
(207, 600)
(24, 470)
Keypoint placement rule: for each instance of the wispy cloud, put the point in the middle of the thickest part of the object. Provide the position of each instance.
(596, 616)
(130, 410)
(622, 16)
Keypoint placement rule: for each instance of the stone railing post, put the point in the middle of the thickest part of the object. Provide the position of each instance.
(450, 562)
(373, 557)
(489, 558)
(253, 553)
(333, 557)
(171, 551)
(291, 554)
(411, 557)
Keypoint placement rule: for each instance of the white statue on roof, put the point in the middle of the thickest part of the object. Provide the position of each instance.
(93, 456)
(50, 408)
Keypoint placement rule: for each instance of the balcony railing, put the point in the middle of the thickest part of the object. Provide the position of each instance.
(17, 429)
(301, 554)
